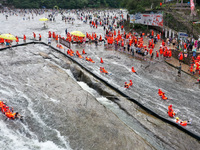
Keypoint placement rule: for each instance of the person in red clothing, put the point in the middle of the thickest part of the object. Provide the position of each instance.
(103, 70)
(130, 83)
(180, 56)
(49, 34)
(126, 85)
(83, 52)
(157, 54)
(34, 35)
(101, 61)
(170, 107)
(17, 40)
(163, 96)
(151, 51)
(122, 27)
(40, 37)
(160, 92)
(171, 112)
(161, 51)
(24, 38)
(56, 38)
(133, 70)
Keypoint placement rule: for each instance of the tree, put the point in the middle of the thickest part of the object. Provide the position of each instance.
(69, 4)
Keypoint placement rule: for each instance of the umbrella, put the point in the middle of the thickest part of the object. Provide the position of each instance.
(43, 19)
(56, 7)
(8, 36)
(78, 33)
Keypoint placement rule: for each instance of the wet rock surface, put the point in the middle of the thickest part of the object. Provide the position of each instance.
(55, 107)
(183, 94)
(161, 135)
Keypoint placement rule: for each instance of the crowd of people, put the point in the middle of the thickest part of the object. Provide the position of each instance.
(133, 43)
(9, 112)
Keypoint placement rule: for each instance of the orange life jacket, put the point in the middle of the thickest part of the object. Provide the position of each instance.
(86, 58)
(133, 70)
(83, 52)
(160, 93)
(126, 85)
(10, 115)
(104, 70)
(101, 61)
(183, 123)
(151, 50)
(164, 97)
(171, 114)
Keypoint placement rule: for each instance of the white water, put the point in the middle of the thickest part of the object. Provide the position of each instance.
(14, 139)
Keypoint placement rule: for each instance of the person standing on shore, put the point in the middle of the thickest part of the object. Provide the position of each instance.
(40, 37)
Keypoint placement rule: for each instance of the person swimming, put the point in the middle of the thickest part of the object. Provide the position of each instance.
(183, 123)
(126, 85)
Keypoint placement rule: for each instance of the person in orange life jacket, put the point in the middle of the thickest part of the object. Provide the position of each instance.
(34, 35)
(24, 38)
(160, 92)
(100, 38)
(10, 115)
(133, 70)
(177, 120)
(56, 37)
(86, 58)
(131, 83)
(77, 53)
(1, 105)
(126, 85)
(163, 96)
(90, 59)
(170, 107)
(40, 37)
(49, 34)
(101, 61)
(180, 56)
(170, 111)
(5, 109)
(157, 54)
(161, 51)
(17, 40)
(104, 70)
(183, 123)
(83, 52)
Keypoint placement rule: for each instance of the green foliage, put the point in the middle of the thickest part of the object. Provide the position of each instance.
(65, 4)
(135, 6)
